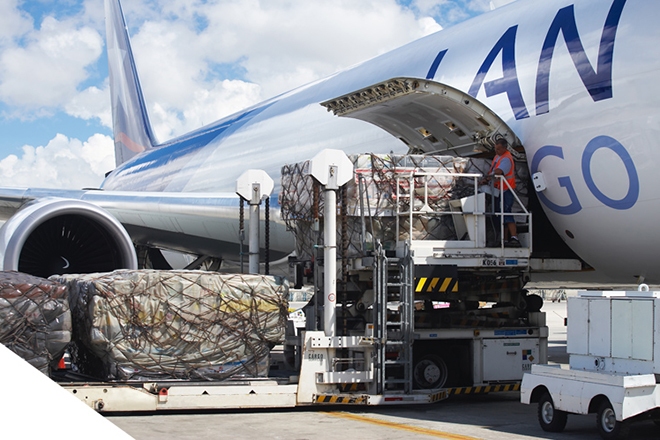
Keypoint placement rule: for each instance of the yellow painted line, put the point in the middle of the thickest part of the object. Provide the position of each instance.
(420, 285)
(402, 427)
(434, 281)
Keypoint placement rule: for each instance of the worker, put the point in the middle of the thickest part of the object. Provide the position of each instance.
(503, 165)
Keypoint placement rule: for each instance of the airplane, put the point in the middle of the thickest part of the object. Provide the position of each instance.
(573, 81)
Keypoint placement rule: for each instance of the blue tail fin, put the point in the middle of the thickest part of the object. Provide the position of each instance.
(131, 126)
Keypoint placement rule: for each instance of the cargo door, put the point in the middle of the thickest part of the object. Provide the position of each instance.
(436, 119)
(429, 117)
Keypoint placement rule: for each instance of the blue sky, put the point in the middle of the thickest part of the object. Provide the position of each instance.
(198, 60)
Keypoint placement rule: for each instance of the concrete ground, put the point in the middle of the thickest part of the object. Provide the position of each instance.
(493, 416)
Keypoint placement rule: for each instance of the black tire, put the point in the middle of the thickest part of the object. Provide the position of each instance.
(534, 303)
(550, 418)
(608, 427)
(429, 372)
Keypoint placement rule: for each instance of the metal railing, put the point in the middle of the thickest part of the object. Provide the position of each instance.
(419, 193)
(501, 213)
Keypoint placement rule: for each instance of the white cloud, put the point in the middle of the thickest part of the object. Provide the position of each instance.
(91, 103)
(454, 11)
(197, 60)
(321, 36)
(494, 4)
(429, 25)
(13, 23)
(62, 163)
(204, 107)
(49, 68)
(279, 46)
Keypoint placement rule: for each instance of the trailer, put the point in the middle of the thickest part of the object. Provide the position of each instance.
(614, 362)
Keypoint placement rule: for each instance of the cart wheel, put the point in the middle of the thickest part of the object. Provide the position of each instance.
(608, 427)
(430, 372)
(550, 418)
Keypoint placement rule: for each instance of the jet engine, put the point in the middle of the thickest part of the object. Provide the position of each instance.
(56, 236)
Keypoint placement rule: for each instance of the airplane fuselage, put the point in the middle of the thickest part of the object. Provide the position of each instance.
(575, 80)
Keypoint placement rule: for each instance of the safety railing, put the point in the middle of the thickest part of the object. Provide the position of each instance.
(501, 214)
(418, 193)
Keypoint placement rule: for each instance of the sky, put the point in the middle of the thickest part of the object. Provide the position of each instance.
(198, 61)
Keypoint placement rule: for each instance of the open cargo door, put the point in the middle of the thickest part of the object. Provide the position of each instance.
(434, 118)
(429, 117)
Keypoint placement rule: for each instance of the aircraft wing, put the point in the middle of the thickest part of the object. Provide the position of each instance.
(65, 231)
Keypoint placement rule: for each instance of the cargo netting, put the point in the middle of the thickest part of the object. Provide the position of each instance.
(151, 324)
(379, 190)
(35, 321)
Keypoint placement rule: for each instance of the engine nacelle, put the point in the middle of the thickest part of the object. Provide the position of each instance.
(56, 236)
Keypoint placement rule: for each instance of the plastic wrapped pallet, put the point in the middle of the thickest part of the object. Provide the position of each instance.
(35, 321)
(382, 187)
(149, 324)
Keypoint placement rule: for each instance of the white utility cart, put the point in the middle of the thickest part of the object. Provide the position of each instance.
(614, 348)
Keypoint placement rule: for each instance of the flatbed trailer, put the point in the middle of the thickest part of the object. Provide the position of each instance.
(317, 384)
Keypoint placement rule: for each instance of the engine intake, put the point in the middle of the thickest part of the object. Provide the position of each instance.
(57, 236)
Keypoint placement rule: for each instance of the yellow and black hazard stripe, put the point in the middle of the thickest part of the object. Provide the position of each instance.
(436, 278)
(440, 395)
(484, 389)
(436, 285)
(351, 387)
(341, 400)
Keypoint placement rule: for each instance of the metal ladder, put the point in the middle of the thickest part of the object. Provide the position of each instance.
(393, 321)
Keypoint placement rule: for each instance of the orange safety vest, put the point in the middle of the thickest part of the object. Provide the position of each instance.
(510, 176)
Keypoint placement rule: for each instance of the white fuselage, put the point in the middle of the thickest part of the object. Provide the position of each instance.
(585, 111)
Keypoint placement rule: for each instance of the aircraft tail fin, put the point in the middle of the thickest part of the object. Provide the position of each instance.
(131, 126)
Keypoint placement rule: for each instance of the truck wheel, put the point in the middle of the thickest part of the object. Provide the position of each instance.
(550, 418)
(430, 372)
(534, 303)
(608, 427)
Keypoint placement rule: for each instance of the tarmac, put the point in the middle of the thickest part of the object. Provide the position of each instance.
(489, 416)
